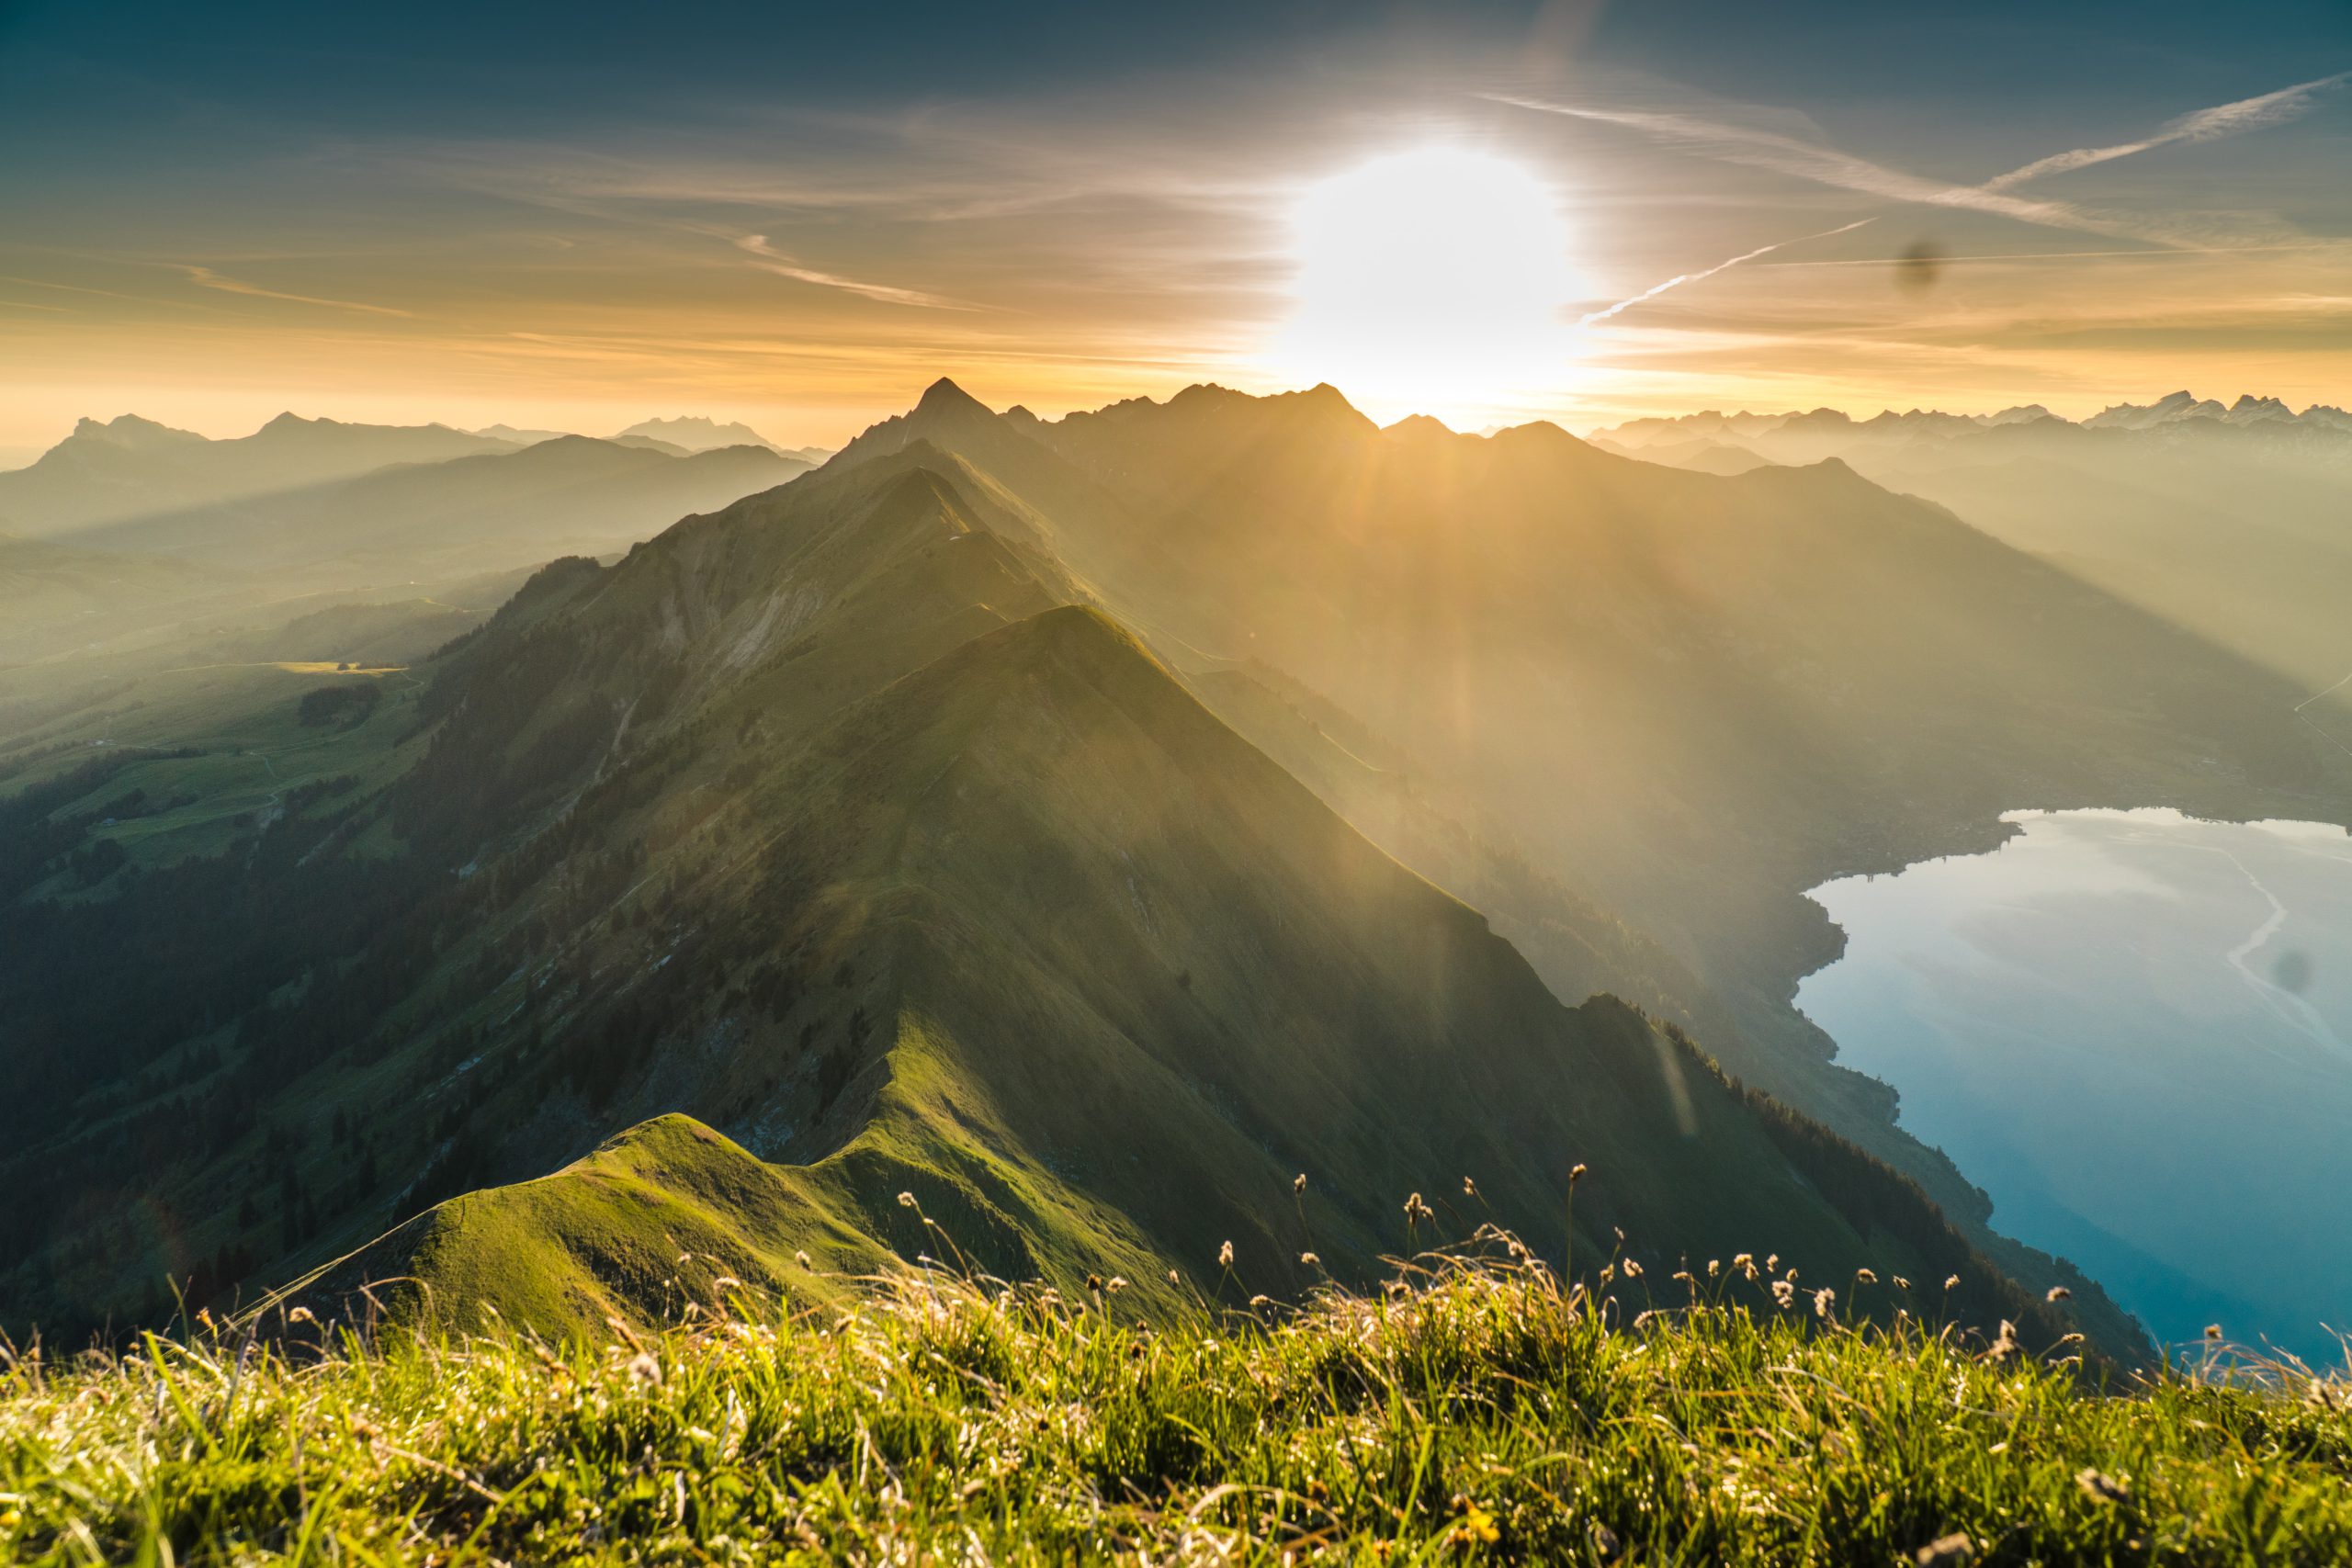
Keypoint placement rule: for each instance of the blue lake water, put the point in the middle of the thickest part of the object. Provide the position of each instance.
(2130, 1028)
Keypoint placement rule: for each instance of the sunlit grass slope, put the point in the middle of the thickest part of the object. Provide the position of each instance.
(1465, 1413)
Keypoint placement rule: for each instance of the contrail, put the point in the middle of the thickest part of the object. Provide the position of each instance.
(1677, 282)
(2201, 125)
(1782, 154)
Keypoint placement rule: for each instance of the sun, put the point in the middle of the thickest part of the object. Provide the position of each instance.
(1429, 281)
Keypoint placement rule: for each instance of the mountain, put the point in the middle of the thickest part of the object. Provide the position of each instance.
(130, 466)
(1688, 697)
(828, 848)
(570, 495)
(2223, 519)
(695, 434)
(53, 596)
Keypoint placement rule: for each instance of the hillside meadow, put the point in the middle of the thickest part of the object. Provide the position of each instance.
(1468, 1411)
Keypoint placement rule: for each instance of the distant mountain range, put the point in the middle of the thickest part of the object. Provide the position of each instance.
(145, 530)
(2177, 409)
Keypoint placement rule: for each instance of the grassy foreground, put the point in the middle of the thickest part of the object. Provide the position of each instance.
(1467, 1413)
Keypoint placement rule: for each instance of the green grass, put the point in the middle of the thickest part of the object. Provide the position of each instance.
(1465, 1414)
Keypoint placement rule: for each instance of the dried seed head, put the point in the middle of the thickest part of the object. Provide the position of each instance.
(2058, 1293)
(1865, 1277)
(2212, 1331)
(1298, 1183)
(1952, 1283)
(1946, 1552)
(1824, 1302)
(906, 1200)
(1310, 1260)
(1224, 1256)
(1576, 1173)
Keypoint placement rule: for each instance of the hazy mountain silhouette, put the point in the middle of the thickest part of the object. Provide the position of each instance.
(130, 466)
(2225, 518)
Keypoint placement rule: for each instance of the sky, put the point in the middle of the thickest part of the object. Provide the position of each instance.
(579, 216)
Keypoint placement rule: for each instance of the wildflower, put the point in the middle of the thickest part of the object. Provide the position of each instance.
(2104, 1488)
(1946, 1552)
(1257, 1302)
(906, 1200)
(1633, 1269)
(2212, 1331)
(1784, 1293)
(1094, 1283)
(1309, 1261)
(1469, 1187)
(1952, 1283)
(1824, 1302)
(1865, 1277)
(804, 1260)
(1298, 1184)
(1417, 1209)
(1171, 1273)
(300, 1314)
(1224, 1256)
(1901, 1283)
(1576, 1173)
(1771, 1263)
(2006, 1344)
(1642, 1319)
(1114, 1285)
(644, 1368)
(1478, 1525)
(1742, 1260)
(1714, 1267)
(2058, 1293)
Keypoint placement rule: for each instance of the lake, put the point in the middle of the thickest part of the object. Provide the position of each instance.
(2130, 1028)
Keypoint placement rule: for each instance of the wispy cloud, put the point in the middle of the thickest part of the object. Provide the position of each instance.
(1680, 279)
(2201, 125)
(1755, 147)
(775, 261)
(205, 278)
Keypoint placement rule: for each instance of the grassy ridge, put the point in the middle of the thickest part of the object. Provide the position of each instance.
(1464, 1412)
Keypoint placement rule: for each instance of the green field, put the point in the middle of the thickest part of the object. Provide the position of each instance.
(1465, 1413)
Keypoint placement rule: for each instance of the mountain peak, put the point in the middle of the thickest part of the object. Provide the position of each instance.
(1419, 426)
(943, 396)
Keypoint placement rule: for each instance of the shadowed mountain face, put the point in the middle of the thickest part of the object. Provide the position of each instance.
(836, 822)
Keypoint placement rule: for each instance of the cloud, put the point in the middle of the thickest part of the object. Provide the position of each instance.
(2201, 125)
(205, 278)
(1681, 278)
(1755, 148)
(775, 261)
